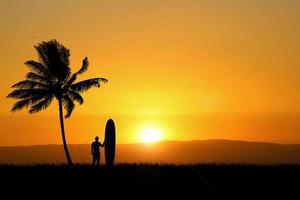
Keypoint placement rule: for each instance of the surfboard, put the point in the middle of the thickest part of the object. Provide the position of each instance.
(110, 143)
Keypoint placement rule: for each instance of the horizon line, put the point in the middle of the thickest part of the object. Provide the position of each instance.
(161, 141)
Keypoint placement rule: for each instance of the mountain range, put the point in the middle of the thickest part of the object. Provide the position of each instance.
(175, 152)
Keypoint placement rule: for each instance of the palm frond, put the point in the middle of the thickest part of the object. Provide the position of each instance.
(25, 103)
(28, 93)
(42, 105)
(42, 53)
(28, 84)
(39, 68)
(70, 81)
(75, 96)
(68, 105)
(87, 84)
(35, 77)
(56, 57)
(84, 68)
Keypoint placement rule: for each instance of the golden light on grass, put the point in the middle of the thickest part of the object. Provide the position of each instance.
(150, 135)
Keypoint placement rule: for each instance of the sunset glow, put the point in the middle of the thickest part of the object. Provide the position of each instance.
(197, 69)
(150, 135)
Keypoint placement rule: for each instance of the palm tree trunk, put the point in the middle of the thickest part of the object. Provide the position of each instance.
(62, 127)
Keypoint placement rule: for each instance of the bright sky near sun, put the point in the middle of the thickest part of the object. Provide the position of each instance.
(177, 69)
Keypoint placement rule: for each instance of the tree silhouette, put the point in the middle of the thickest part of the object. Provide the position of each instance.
(52, 78)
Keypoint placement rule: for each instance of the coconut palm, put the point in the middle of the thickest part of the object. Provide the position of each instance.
(51, 78)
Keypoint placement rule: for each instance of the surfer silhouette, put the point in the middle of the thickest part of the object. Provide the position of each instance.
(95, 149)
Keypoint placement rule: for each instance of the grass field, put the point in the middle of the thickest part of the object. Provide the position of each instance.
(196, 179)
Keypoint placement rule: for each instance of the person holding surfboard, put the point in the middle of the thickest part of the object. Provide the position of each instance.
(95, 150)
(109, 145)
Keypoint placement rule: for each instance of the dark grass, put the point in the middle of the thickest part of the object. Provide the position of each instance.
(193, 179)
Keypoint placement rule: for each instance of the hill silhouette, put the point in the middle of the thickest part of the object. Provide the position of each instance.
(198, 151)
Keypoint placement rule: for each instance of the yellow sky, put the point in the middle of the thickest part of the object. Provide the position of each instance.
(217, 69)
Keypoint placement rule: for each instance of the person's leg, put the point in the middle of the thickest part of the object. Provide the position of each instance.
(94, 160)
(98, 160)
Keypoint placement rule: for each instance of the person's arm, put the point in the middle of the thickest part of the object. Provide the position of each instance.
(92, 149)
(101, 145)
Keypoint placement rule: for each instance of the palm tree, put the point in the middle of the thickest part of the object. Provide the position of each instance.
(49, 78)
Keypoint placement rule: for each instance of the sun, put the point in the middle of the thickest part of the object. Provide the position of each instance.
(150, 135)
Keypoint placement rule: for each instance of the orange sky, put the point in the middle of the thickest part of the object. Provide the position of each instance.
(193, 69)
